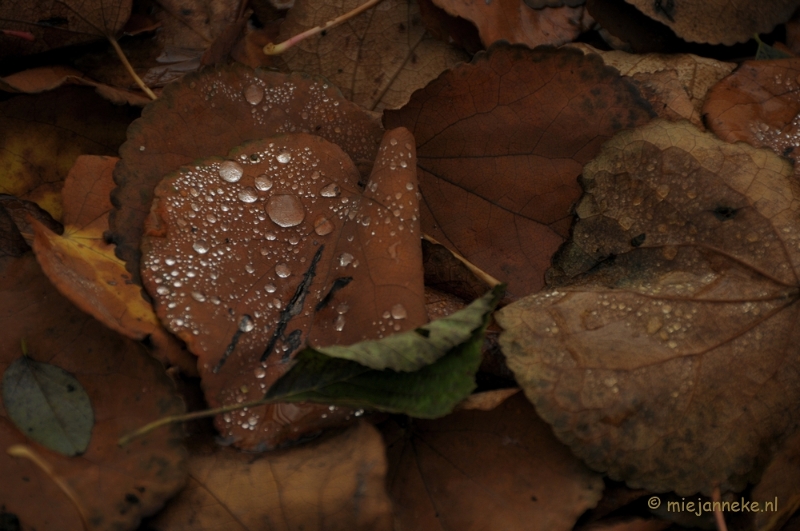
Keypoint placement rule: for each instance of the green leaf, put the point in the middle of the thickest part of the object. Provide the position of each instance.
(48, 405)
(446, 353)
(765, 51)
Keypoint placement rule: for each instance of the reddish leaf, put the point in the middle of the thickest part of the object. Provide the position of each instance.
(116, 486)
(210, 113)
(251, 257)
(501, 142)
(499, 469)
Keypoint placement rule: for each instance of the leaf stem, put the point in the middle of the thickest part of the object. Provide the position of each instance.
(130, 69)
(26, 452)
(719, 518)
(276, 49)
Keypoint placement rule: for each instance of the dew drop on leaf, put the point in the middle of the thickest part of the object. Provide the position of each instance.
(254, 94)
(201, 246)
(263, 183)
(248, 195)
(230, 171)
(399, 311)
(323, 226)
(332, 190)
(284, 157)
(286, 210)
(282, 270)
(345, 259)
(246, 323)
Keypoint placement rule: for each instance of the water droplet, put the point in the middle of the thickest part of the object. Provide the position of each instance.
(270, 236)
(323, 226)
(342, 308)
(230, 171)
(198, 296)
(260, 372)
(246, 323)
(162, 290)
(314, 175)
(393, 141)
(403, 164)
(169, 261)
(215, 300)
(338, 324)
(263, 183)
(282, 270)
(270, 288)
(332, 190)
(286, 210)
(345, 259)
(284, 157)
(254, 94)
(250, 269)
(248, 194)
(399, 311)
(201, 246)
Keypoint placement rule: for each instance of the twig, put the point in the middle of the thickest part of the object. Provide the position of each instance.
(130, 69)
(276, 49)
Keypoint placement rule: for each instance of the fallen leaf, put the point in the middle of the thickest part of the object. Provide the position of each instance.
(62, 23)
(779, 486)
(499, 469)
(42, 135)
(515, 22)
(210, 113)
(501, 143)
(377, 59)
(309, 258)
(445, 27)
(331, 484)
(717, 22)
(12, 244)
(116, 486)
(623, 27)
(656, 367)
(22, 211)
(82, 266)
(48, 405)
(759, 104)
(675, 85)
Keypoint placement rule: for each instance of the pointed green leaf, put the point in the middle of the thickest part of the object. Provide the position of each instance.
(446, 352)
(766, 52)
(48, 405)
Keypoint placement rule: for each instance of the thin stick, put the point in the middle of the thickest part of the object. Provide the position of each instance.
(719, 518)
(276, 49)
(130, 69)
(26, 452)
(147, 428)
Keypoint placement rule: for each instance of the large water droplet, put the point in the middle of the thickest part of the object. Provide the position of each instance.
(162, 290)
(332, 190)
(254, 94)
(270, 288)
(198, 296)
(201, 246)
(263, 183)
(230, 171)
(323, 226)
(246, 323)
(248, 195)
(282, 270)
(284, 157)
(260, 372)
(286, 210)
(345, 259)
(338, 324)
(399, 311)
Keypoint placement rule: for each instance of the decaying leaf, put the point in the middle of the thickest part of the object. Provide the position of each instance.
(377, 59)
(499, 469)
(48, 405)
(780, 486)
(332, 484)
(758, 104)
(252, 257)
(516, 22)
(82, 266)
(718, 22)
(209, 114)
(42, 135)
(116, 486)
(675, 85)
(501, 142)
(658, 367)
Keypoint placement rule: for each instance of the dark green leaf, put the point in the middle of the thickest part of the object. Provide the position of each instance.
(765, 51)
(48, 405)
(429, 392)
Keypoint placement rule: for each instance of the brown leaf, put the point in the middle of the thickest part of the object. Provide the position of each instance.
(116, 486)
(62, 23)
(208, 114)
(22, 212)
(377, 59)
(501, 142)
(515, 22)
(83, 267)
(758, 104)
(332, 484)
(780, 486)
(42, 136)
(725, 23)
(252, 257)
(675, 85)
(499, 469)
(657, 367)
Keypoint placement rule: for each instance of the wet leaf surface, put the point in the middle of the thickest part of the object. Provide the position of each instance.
(500, 144)
(209, 114)
(42, 135)
(253, 257)
(377, 59)
(116, 486)
(83, 267)
(48, 405)
(333, 484)
(655, 367)
(524, 479)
